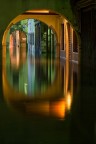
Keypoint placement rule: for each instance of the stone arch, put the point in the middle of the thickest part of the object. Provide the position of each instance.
(19, 7)
(51, 19)
(43, 18)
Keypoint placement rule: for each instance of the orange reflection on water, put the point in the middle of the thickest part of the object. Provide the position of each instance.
(55, 108)
(38, 107)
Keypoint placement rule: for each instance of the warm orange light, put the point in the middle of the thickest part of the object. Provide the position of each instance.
(54, 109)
(38, 11)
(58, 108)
(68, 100)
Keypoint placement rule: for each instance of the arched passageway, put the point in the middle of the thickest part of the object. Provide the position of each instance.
(66, 39)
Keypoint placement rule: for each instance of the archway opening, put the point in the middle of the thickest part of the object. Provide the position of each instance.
(66, 39)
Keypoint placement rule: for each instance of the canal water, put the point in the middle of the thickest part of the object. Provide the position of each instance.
(42, 102)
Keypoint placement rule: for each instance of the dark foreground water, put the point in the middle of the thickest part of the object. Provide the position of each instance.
(43, 103)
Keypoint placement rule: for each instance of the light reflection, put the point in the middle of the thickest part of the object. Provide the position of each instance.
(58, 109)
(38, 107)
(68, 100)
(54, 106)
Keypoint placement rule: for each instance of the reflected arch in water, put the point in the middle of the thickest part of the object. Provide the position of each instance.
(54, 102)
(47, 104)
